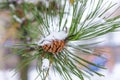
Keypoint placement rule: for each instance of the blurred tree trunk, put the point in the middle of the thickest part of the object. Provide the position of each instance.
(24, 70)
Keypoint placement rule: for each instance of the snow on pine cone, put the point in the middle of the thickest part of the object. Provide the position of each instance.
(54, 42)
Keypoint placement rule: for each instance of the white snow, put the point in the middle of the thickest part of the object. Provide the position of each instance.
(45, 64)
(59, 35)
(53, 36)
(8, 75)
(45, 2)
(18, 19)
(28, 1)
(12, 6)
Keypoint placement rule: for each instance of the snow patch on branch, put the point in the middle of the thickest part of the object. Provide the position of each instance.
(45, 64)
(20, 20)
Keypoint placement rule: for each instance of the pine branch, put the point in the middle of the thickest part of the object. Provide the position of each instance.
(87, 22)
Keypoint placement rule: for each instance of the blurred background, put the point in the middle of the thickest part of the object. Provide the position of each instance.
(110, 48)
